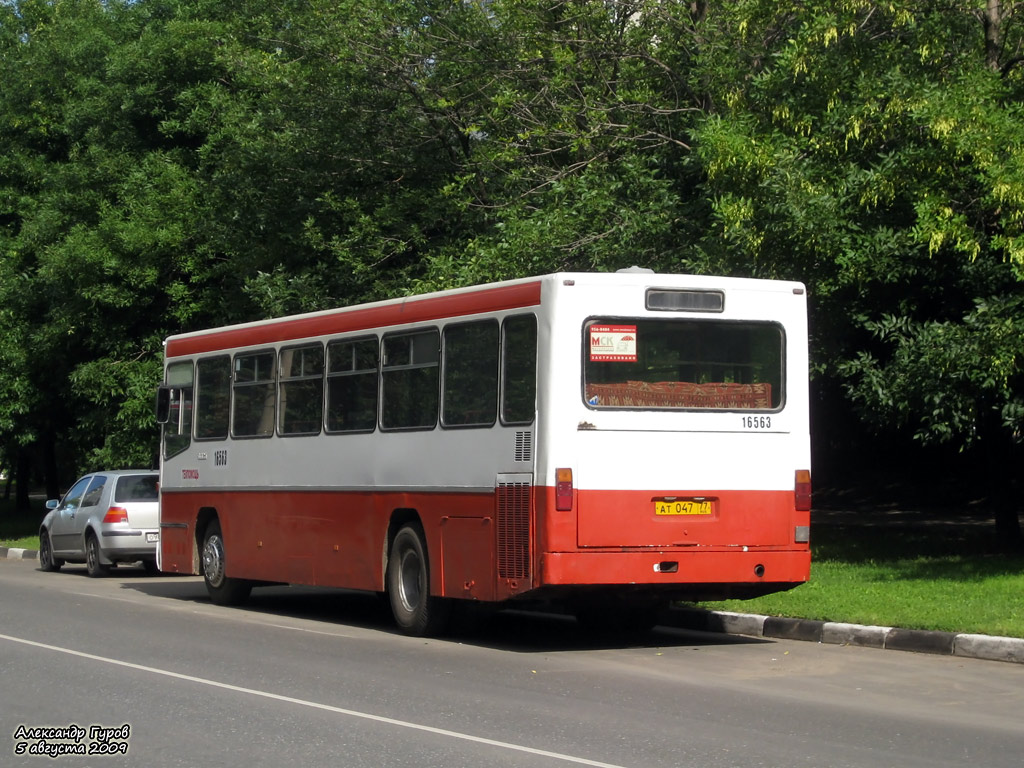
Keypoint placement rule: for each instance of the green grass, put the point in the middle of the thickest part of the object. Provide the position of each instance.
(944, 577)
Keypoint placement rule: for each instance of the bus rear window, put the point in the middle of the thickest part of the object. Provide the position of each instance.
(683, 364)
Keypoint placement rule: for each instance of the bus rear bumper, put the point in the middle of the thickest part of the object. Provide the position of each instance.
(686, 574)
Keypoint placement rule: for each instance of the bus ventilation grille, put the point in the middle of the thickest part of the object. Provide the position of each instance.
(513, 516)
(524, 446)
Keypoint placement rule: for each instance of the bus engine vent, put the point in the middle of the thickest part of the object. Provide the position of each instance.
(524, 446)
(513, 518)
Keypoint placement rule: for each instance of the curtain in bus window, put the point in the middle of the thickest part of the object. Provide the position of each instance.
(254, 395)
(302, 390)
(683, 364)
(352, 385)
(470, 374)
(213, 397)
(409, 381)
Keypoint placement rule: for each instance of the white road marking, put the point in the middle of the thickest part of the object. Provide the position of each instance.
(317, 705)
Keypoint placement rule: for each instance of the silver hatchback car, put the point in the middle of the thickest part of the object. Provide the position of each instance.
(106, 518)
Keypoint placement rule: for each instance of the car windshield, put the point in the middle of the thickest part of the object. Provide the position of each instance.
(136, 488)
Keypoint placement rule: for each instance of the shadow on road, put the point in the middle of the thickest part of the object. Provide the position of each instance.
(516, 630)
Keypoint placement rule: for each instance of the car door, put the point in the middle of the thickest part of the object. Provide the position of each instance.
(65, 535)
(94, 505)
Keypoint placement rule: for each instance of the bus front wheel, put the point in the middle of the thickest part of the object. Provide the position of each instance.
(416, 612)
(223, 589)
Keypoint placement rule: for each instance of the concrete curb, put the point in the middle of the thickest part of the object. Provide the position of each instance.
(917, 640)
(16, 553)
(969, 646)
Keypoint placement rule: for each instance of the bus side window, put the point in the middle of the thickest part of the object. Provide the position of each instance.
(409, 380)
(254, 401)
(177, 431)
(470, 374)
(302, 390)
(213, 397)
(352, 367)
(519, 369)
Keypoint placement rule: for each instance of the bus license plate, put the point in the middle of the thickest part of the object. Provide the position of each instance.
(683, 507)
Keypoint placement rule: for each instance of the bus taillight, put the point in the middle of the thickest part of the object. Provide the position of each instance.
(563, 489)
(803, 490)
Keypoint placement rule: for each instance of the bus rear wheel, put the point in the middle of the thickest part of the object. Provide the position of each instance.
(223, 589)
(416, 612)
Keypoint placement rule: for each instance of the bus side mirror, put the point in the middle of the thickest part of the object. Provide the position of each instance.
(163, 405)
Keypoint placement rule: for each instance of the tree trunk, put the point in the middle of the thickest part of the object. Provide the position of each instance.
(992, 19)
(51, 478)
(23, 481)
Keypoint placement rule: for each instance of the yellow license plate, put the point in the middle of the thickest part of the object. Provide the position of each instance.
(683, 507)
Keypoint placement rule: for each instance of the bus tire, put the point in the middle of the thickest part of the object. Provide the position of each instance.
(416, 612)
(223, 589)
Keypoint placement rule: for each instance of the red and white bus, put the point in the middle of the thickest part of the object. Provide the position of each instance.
(609, 442)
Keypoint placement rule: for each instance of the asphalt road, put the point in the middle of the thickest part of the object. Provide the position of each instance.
(319, 677)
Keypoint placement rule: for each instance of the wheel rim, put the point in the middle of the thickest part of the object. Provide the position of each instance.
(410, 588)
(45, 558)
(213, 560)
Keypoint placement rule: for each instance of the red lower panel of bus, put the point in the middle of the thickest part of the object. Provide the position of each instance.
(488, 546)
(669, 567)
(684, 518)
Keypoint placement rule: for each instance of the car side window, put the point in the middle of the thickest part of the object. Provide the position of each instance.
(73, 498)
(95, 493)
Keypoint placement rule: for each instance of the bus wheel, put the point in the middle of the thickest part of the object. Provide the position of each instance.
(223, 590)
(408, 578)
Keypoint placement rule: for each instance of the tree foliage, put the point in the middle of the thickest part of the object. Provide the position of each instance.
(172, 165)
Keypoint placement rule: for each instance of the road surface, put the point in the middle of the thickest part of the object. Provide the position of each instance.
(319, 677)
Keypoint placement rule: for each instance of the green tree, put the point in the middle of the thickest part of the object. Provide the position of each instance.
(876, 151)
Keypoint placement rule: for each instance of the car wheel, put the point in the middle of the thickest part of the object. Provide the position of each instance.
(223, 589)
(47, 562)
(93, 565)
(149, 566)
(416, 612)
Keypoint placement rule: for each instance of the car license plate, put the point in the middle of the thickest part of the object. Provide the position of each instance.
(152, 537)
(683, 507)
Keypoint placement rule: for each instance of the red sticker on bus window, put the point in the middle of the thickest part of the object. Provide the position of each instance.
(613, 342)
